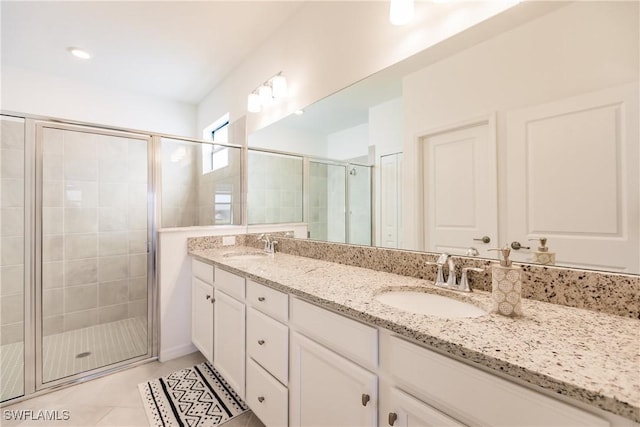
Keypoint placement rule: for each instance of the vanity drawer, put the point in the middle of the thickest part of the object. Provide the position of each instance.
(454, 388)
(352, 339)
(268, 300)
(202, 271)
(266, 397)
(229, 283)
(268, 343)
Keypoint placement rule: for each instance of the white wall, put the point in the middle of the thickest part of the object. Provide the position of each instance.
(327, 46)
(290, 140)
(576, 49)
(349, 143)
(30, 92)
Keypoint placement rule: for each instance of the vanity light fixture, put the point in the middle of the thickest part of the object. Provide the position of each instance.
(401, 11)
(267, 93)
(79, 53)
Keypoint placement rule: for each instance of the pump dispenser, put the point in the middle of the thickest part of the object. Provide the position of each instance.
(506, 285)
(542, 255)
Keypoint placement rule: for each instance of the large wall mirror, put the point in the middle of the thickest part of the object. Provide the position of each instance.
(523, 127)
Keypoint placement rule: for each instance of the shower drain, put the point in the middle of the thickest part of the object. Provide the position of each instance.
(83, 354)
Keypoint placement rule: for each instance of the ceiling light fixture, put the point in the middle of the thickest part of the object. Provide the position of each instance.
(267, 93)
(79, 53)
(401, 11)
(298, 112)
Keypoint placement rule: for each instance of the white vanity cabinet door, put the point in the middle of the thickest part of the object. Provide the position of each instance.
(229, 344)
(202, 317)
(326, 389)
(407, 411)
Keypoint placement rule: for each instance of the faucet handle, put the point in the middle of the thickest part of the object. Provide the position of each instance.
(439, 275)
(464, 280)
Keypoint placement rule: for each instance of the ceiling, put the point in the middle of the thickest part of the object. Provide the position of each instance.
(178, 50)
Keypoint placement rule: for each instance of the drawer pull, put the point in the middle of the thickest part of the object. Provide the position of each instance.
(260, 342)
(261, 299)
(260, 399)
(392, 418)
(365, 399)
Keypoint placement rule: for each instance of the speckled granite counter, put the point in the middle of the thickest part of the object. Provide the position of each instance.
(588, 356)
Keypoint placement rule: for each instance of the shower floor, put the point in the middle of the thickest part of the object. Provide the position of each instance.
(97, 346)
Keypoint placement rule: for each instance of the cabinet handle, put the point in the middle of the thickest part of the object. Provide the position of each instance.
(260, 399)
(260, 342)
(261, 299)
(365, 399)
(392, 418)
(208, 297)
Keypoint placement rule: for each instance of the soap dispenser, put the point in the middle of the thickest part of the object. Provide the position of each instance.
(506, 285)
(542, 255)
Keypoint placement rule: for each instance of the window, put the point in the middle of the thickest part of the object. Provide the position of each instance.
(214, 157)
(217, 131)
(223, 212)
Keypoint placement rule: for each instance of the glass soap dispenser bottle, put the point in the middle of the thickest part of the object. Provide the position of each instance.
(542, 255)
(506, 285)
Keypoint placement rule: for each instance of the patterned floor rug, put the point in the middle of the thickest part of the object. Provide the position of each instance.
(192, 397)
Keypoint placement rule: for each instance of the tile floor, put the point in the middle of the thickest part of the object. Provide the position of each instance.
(110, 401)
(105, 344)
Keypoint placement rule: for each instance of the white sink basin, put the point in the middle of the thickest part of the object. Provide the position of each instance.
(430, 304)
(245, 255)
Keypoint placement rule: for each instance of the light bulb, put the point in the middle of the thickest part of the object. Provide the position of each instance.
(253, 103)
(266, 95)
(401, 12)
(79, 53)
(279, 85)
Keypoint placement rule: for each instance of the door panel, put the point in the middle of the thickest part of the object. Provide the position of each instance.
(93, 234)
(573, 178)
(460, 189)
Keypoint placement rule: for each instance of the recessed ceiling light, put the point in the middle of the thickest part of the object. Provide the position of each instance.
(298, 112)
(79, 53)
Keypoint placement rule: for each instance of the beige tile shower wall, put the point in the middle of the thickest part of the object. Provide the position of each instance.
(226, 179)
(274, 188)
(181, 166)
(318, 215)
(94, 229)
(12, 230)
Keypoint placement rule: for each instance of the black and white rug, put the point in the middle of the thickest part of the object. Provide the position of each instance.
(193, 397)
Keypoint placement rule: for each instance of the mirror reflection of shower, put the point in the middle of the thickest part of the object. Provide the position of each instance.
(339, 202)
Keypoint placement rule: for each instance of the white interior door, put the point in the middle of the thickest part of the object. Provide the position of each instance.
(460, 189)
(390, 200)
(573, 177)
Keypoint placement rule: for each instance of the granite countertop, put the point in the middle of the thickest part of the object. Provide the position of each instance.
(588, 356)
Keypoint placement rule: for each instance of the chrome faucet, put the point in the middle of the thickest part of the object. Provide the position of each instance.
(442, 260)
(269, 244)
(452, 282)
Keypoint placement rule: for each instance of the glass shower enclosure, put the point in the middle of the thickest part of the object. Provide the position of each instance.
(76, 260)
(339, 200)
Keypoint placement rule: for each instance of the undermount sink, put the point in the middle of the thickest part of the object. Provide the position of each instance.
(429, 304)
(245, 255)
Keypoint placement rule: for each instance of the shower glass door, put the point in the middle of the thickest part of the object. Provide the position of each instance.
(327, 201)
(93, 227)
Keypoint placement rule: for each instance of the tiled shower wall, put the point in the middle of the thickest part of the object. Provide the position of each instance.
(180, 171)
(94, 229)
(274, 188)
(318, 222)
(226, 180)
(12, 230)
